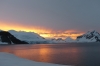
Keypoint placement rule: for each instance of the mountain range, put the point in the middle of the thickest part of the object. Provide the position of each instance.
(92, 36)
(21, 37)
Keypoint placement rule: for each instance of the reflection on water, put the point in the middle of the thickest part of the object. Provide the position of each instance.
(73, 54)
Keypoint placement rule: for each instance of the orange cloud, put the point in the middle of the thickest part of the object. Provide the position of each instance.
(62, 35)
(44, 32)
(19, 27)
(69, 31)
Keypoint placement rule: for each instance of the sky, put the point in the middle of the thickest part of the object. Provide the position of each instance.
(57, 18)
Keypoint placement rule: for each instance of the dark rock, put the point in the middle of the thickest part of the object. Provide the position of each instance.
(10, 39)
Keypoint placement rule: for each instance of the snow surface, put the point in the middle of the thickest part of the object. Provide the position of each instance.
(7, 59)
(59, 40)
(69, 39)
(86, 40)
(29, 37)
(89, 37)
(34, 38)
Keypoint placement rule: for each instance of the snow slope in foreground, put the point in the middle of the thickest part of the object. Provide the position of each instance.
(7, 59)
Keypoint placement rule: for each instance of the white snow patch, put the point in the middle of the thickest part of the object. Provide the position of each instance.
(59, 40)
(7, 59)
(29, 37)
(69, 39)
(87, 40)
(92, 35)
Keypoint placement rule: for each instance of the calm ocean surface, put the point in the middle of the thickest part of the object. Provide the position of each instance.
(77, 54)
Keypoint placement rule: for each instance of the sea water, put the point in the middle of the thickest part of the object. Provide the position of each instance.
(77, 54)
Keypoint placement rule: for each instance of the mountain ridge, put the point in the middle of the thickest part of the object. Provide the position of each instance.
(92, 36)
(22, 37)
(7, 38)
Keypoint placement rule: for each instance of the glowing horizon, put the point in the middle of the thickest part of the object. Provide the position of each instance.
(69, 19)
(42, 31)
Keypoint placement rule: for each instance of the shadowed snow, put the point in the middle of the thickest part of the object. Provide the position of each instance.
(7, 59)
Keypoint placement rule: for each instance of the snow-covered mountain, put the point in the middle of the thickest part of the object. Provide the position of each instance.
(30, 37)
(92, 36)
(7, 38)
(59, 40)
(21, 37)
(69, 39)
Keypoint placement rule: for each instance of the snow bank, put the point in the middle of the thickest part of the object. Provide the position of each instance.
(7, 59)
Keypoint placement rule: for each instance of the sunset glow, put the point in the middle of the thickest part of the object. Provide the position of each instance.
(49, 21)
(44, 32)
(60, 35)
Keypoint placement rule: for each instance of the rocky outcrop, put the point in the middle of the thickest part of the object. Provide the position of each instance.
(8, 38)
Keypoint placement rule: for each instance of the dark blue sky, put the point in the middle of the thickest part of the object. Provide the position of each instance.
(82, 15)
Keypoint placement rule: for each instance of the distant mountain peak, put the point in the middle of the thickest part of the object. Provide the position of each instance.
(69, 39)
(92, 36)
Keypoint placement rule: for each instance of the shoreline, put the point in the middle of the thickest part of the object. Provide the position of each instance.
(7, 59)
